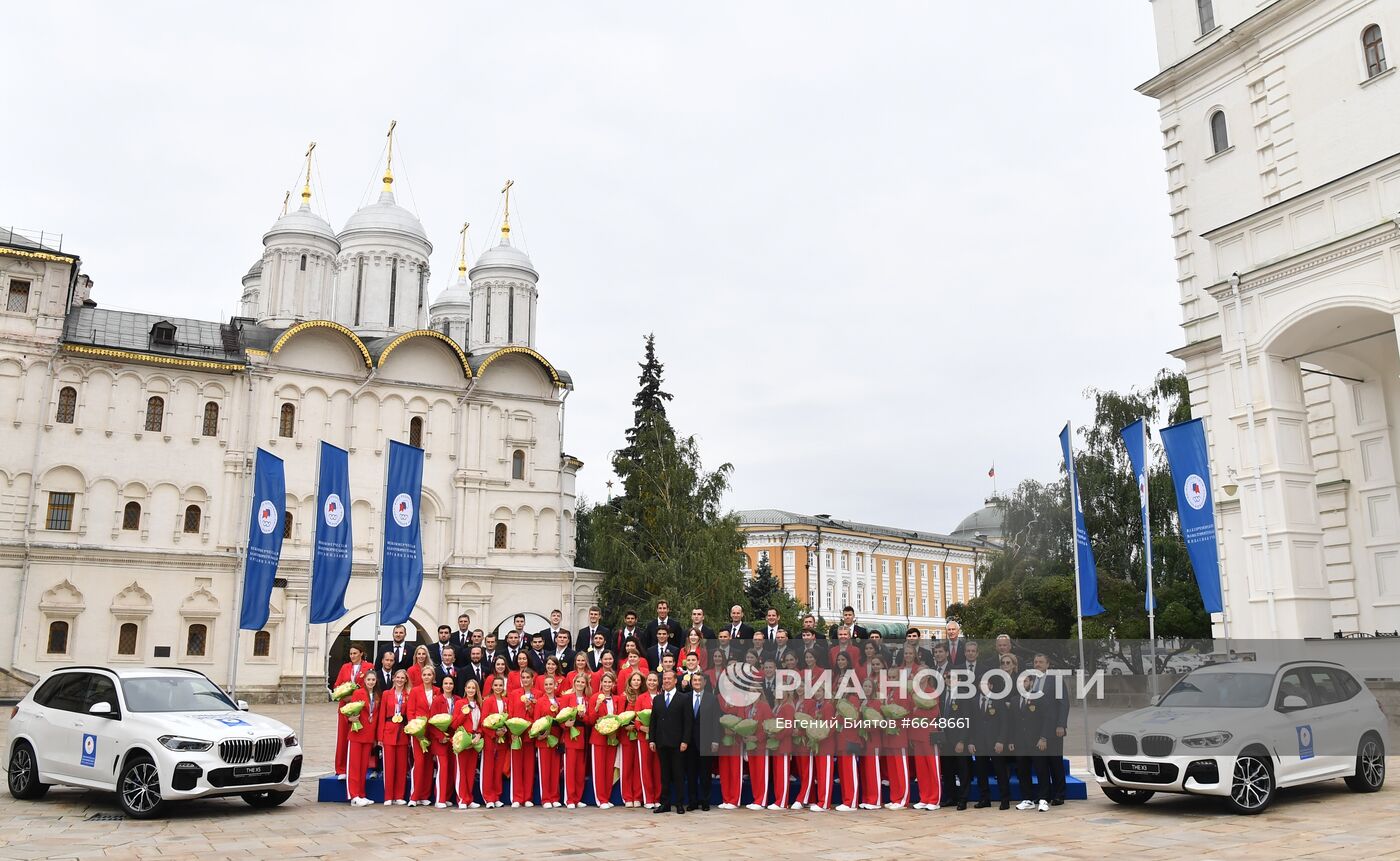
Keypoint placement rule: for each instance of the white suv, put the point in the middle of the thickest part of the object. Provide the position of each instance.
(151, 736)
(1244, 730)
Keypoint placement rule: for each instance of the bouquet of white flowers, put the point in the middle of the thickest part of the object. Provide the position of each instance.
(352, 711)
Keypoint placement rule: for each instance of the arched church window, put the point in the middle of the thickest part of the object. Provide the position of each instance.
(501, 536)
(286, 526)
(131, 516)
(415, 432)
(58, 638)
(1219, 133)
(1375, 50)
(393, 288)
(359, 286)
(155, 413)
(126, 638)
(262, 644)
(211, 419)
(303, 262)
(67, 405)
(196, 640)
(287, 420)
(517, 465)
(192, 518)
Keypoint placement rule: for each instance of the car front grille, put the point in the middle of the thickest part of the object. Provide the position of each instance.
(1125, 744)
(236, 751)
(1158, 745)
(1166, 773)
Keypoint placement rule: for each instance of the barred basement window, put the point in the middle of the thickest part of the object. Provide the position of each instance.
(501, 536)
(1374, 48)
(286, 525)
(287, 421)
(415, 432)
(262, 644)
(126, 639)
(192, 517)
(517, 465)
(67, 405)
(58, 638)
(211, 419)
(196, 638)
(60, 513)
(155, 414)
(131, 516)
(18, 299)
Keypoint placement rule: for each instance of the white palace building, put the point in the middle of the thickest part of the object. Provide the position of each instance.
(124, 476)
(1281, 133)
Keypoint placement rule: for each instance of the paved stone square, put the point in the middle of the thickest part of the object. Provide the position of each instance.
(1323, 821)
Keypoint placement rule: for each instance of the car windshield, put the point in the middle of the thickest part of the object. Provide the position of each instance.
(1220, 691)
(174, 694)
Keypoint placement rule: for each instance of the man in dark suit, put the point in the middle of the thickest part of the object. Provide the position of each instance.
(629, 630)
(444, 641)
(780, 647)
(400, 647)
(663, 647)
(489, 650)
(386, 671)
(447, 668)
(563, 653)
(955, 643)
(663, 620)
(848, 618)
(475, 668)
(697, 624)
(461, 640)
(1055, 745)
(513, 648)
(955, 763)
(770, 628)
(740, 632)
(809, 623)
(556, 624)
(672, 725)
(537, 652)
(584, 638)
(971, 660)
(595, 652)
(704, 742)
(810, 643)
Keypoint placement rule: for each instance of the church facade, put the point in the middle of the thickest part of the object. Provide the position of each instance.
(126, 473)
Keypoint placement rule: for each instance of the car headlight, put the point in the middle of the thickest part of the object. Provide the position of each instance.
(1214, 738)
(1100, 737)
(290, 741)
(183, 743)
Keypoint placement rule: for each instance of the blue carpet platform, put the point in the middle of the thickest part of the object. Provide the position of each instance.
(329, 789)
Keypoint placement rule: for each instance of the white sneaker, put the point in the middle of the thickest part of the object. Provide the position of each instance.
(515, 804)
(870, 807)
(844, 808)
(817, 808)
(400, 802)
(461, 805)
(1026, 805)
(797, 805)
(729, 807)
(775, 806)
(756, 807)
(529, 804)
(931, 807)
(412, 804)
(441, 805)
(388, 801)
(473, 806)
(1044, 806)
(893, 806)
(572, 806)
(605, 805)
(340, 777)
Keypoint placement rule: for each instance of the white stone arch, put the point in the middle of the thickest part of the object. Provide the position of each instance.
(547, 528)
(59, 605)
(523, 532)
(501, 515)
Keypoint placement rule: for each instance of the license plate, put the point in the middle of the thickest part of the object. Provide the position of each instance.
(1140, 768)
(252, 771)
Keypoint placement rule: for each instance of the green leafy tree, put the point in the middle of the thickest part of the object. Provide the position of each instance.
(765, 591)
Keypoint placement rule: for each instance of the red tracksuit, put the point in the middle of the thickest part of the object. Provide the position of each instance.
(823, 761)
(848, 764)
(731, 761)
(651, 763)
(467, 714)
(495, 756)
(634, 743)
(925, 754)
(603, 748)
(574, 750)
(522, 759)
(894, 759)
(348, 673)
(758, 758)
(780, 758)
(394, 705)
(424, 702)
(547, 757)
(362, 741)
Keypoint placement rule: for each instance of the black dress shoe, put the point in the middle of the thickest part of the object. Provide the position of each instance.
(704, 807)
(984, 803)
(692, 806)
(1005, 804)
(662, 810)
(1056, 802)
(680, 809)
(962, 805)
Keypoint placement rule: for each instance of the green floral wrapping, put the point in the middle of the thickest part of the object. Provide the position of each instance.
(343, 691)
(517, 727)
(418, 728)
(352, 711)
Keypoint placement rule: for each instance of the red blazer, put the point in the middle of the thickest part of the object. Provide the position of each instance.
(580, 723)
(643, 702)
(369, 720)
(514, 684)
(415, 674)
(343, 676)
(545, 707)
(519, 709)
(391, 733)
(467, 714)
(489, 706)
(598, 706)
(426, 702)
(702, 653)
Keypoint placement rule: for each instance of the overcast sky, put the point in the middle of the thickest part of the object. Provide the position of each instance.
(881, 245)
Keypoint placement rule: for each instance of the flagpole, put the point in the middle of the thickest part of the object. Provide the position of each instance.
(240, 578)
(379, 574)
(1147, 549)
(1074, 552)
(310, 574)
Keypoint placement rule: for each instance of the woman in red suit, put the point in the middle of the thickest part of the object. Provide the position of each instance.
(415, 670)
(651, 763)
(522, 662)
(632, 664)
(363, 740)
(718, 662)
(821, 764)
(499, 668)
(547, 755)
(730, 759)
(695, 646)
(606, 664)
(354, 671)
(634, 699)
(922, 745)
(604, 751)
(521, 704)
(580, 667)
(495, 756)
(448, 763)
(872, 770)
(425, 701)
(393, 714)
(759, 761)
(467, 714)
(575, 750)
(848, 745)
(553, 667)
(780, 757)
(894, 759)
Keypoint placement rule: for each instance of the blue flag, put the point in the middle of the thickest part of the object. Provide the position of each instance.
(264, 540)
(1135, 439)
(330, 563)
(1186, 454)
(1088, 575)
(401, 577)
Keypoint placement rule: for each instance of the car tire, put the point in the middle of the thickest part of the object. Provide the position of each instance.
(1252, 785)
(267, 798)
(138, 788)
(1370, 765)
(1128, 797)
(24, 773)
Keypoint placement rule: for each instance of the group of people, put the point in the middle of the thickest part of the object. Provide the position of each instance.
(643, 707)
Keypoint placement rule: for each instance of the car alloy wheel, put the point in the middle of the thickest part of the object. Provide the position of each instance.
(1370, 765)
(1253, 786)
(21, 770)
(141, 788)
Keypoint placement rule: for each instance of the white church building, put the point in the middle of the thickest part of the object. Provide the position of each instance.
(125, 473)
(1280, 126)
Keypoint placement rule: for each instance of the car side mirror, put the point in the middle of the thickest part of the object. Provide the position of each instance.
(103, 709)
(243, 705)
(1156, 699)
(1293, 702)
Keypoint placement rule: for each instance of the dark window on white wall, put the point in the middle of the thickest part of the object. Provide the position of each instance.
(303, 262)
(393, 288)
(211, 419)
(155, 413)
(18, 299)
(131, 516)
(67, 405)
(1374, 47)
(359, 287)
(1206, 12)
(1219, 133)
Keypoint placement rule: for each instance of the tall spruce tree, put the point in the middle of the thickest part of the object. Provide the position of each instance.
(648, 409)
(765, 592)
